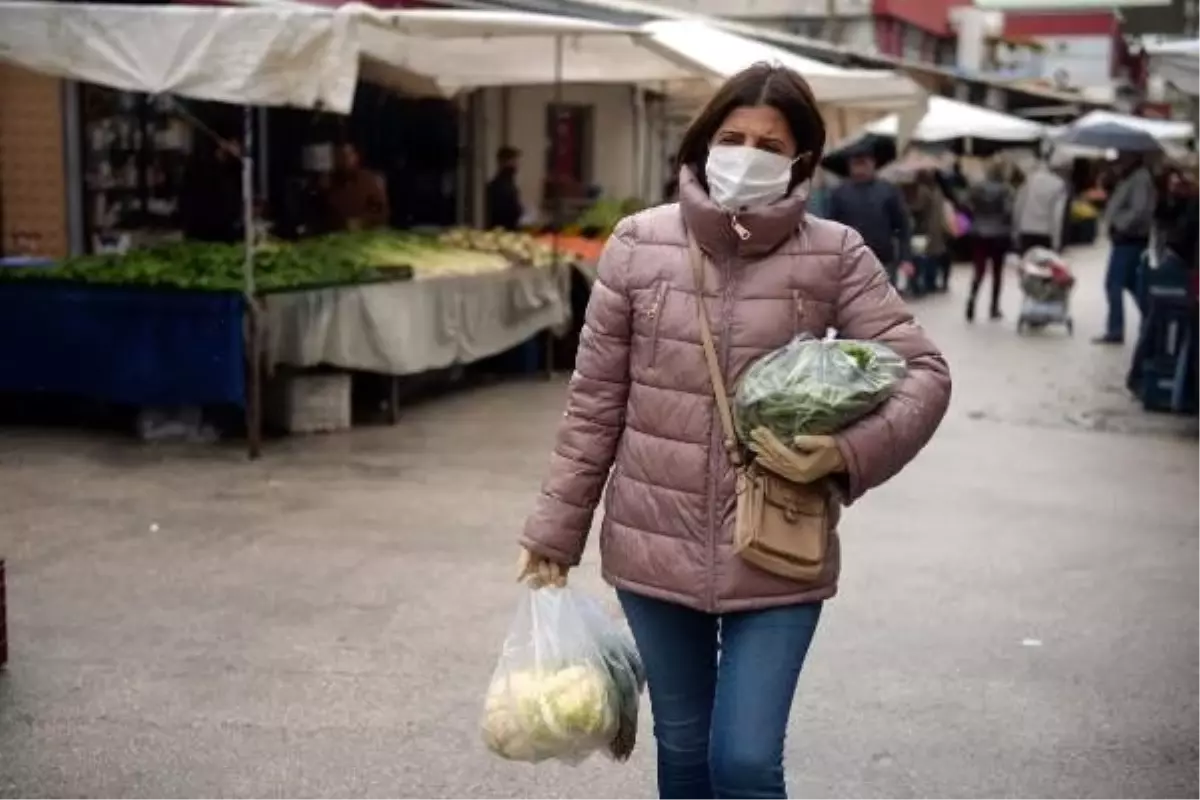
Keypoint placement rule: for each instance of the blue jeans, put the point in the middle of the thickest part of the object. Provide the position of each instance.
(1124, 265)
(720, 688)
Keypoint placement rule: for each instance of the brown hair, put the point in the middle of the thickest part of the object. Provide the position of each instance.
(760, 84)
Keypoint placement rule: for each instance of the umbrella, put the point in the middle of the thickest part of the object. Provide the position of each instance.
(1111, 136)
(910, 164)
(883, 148)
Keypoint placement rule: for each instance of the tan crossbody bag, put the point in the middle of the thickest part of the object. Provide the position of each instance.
(781, 527)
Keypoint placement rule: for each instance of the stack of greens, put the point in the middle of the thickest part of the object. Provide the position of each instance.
(340, 258)
(603, 215)
(815, 387)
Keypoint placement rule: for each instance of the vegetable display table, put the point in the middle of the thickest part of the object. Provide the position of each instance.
(126, 345)
(408, 328)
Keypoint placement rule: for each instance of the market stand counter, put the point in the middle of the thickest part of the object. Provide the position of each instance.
(402, 329)
(149, 346)
(141, 346)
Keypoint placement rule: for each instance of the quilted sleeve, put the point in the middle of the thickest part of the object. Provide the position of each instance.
(868, 308)
(595, 415)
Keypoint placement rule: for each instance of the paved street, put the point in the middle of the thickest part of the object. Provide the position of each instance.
(1018, 614)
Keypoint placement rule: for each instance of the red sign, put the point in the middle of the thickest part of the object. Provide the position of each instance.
(1154, 110)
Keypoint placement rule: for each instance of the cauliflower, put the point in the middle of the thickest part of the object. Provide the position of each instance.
(538, 714)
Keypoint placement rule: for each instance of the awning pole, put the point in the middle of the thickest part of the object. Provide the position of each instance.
(253, 348)
(557, 210)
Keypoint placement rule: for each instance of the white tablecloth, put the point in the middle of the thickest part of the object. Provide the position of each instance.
(409, 327)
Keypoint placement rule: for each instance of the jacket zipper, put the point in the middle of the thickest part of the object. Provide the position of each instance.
(741, 230)
(655, 315)
(798, 313)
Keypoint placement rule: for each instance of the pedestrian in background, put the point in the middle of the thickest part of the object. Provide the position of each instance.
(875, 209)
(1130, 220)
(929, 220)
(1039, 210)
(357, 196)
(819, 194)
(502, 203)
(723, 641)
(991, 205)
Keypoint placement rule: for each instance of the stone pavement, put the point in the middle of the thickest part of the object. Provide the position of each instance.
(1018, 615)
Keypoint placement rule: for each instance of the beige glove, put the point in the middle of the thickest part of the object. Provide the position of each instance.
(539, 571)
(809, 459)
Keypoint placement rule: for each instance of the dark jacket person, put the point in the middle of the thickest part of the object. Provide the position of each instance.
(875, 209)
(503, 206)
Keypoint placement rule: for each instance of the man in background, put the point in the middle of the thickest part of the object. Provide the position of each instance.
(1130, 219)
(876, 210)
(503, 207)
(357, 196)
(211, 199)
(1040, 209)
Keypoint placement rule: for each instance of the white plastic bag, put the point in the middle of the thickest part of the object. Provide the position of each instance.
(567, 684)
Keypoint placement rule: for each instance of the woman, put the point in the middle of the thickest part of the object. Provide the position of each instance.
(929, 220)
(722, 641)
(991, 204)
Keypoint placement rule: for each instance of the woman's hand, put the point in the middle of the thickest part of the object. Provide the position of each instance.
(539, 571)
(809, 459)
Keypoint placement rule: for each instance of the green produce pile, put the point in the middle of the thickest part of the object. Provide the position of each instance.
(339, 258)
(605, 213)
(813, 386)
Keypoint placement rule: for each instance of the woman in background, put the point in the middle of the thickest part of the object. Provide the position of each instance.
(929, 220)
(991, 204)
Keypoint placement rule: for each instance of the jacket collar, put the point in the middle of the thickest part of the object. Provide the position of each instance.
(748, 234)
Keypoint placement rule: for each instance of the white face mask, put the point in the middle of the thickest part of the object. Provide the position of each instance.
(741, 177)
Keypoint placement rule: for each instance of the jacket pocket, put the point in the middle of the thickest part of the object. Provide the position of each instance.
(655, 314)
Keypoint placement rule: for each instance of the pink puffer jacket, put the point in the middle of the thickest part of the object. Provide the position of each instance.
(641, 403)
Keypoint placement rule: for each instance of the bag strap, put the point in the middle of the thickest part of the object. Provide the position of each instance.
(710, 355)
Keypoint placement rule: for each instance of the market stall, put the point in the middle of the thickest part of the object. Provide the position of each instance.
(294, 56)
(189, 346)
(969, 128)
(1178, 62)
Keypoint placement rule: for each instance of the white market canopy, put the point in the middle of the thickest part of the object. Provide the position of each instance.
(1178, 63)
(461, 49)
(1172, 132)
(719, 54)
(276, 55)
(455, 50)
(275, 52)
(947, 120)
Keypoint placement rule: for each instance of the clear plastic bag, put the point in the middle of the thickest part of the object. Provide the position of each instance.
(815, 386)
(568, 683)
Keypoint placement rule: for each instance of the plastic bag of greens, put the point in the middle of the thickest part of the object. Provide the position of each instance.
(815, 386)
(568, 682)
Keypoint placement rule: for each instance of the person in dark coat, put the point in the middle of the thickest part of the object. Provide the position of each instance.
(503, 202)
(875, 209)
(211, 199)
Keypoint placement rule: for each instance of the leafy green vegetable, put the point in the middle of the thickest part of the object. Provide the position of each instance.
(812, 386)
(335, 259)
(605, 213)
